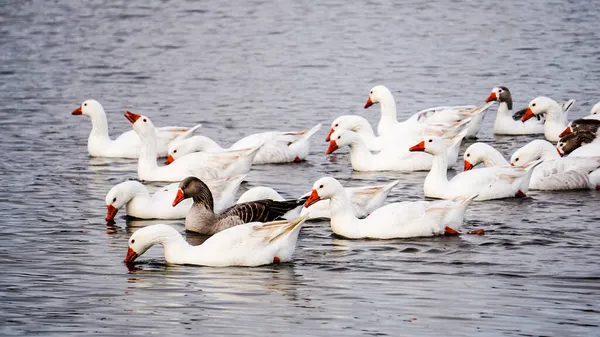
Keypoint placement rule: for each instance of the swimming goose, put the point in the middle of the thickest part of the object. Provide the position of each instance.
(126, 145)
(392, 158)
(554, 173)
(488, 183)
(140, 204)
(203, 165)
(506, 122)
(202, 219)
(252, 244)
(594, 113)
(388, 124)
(581, 125)
(277, 147)
(579, 144)
(396, 220)
(556, 115)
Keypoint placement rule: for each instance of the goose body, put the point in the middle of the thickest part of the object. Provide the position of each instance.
(277, 147)
(487, 183)
(556, 115)
(204, 165)
(202, 218)
(126, 145)
(396, 220)
(139, 203)
(392, 158)
(251, 244)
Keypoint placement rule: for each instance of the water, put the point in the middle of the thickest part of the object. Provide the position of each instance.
(243, 68)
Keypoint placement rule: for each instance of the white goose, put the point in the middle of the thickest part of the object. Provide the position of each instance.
(277, 147)
(392, 158)
(396, 220)
(488, 183)
(594, 113)
(388, 124)
(506, 122)
(554, 173)
(126, 145)
(252, 244)
(140, 204)
(556, 115)
(206, 166)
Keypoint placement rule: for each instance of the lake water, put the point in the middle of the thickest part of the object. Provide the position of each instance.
(252, 66)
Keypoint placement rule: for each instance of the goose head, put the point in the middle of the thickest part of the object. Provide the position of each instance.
(500, 94)
(341, 138)
(377, 94)
(573, 141)
(582, 125)
(534, 150)
(144, 238)
(118, 196)
(324, 188)
(348, 122)
(89, 108)
(595, 109)
(431, 145)
(192, 187)
(476, 154)
(141, 124)
(539, 105)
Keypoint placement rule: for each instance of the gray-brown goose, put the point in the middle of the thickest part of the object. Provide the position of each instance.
(202, 219)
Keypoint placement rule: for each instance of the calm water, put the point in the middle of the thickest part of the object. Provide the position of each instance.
(243, 68)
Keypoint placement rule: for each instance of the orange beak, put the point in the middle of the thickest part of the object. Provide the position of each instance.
(314, 197)
(131, 116)
(566, 132)
(492, 97)
(131, 255)
(111, 211)
(77, 111)
(332, 147)
(512, 164)
(418, 147)
(329, 135)
(169, 160)
(560, 152)
(178, 197)
(369, 103)
(528, 114)
(468, 166)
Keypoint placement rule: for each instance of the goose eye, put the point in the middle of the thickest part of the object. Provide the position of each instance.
(84, 104)
(468, 154)
(174, 151)
(337, 125)
(431, 140)
(114, 199)
(144, 120)
(339, 137)
(132, 241)
(499, 91)
(371, 92)
(321, 186)
(517, 159)
(533, 104)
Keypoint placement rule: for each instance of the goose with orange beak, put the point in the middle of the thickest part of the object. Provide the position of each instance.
(487, 183)
(509, 123)
(395, 220)
(582, 125)
(556, 115)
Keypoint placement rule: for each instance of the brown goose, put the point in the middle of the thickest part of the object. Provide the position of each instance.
(202, 219)
(574, 141)
(582, 125)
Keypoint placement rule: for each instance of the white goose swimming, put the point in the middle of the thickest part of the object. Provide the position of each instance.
(594, 113)
(554, 173)
(506, 122)
(126, 145)
(140, 204)
(388, 124)
(488, 183)
(277, 147)
(396, 220)
(206, 166)
(556, 115)
(252, 244)
(392, 158)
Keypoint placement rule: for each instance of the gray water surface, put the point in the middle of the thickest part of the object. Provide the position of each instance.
(252, 66)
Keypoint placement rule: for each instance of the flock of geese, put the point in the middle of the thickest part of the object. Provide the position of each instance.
(261, 227)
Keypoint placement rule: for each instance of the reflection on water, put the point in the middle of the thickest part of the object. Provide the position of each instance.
(252, 67)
